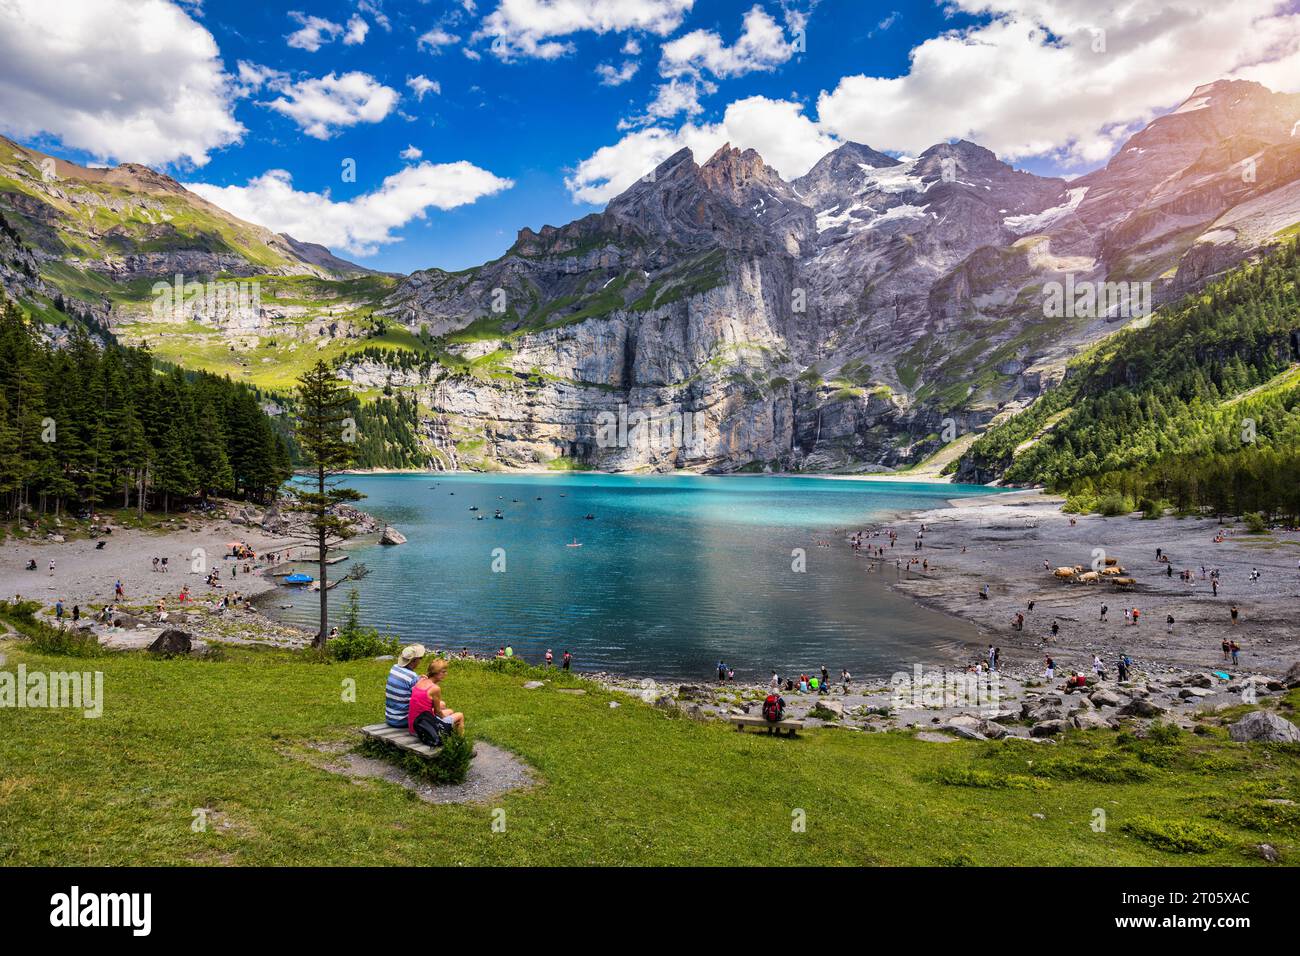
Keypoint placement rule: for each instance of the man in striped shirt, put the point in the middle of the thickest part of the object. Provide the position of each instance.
(397, 692)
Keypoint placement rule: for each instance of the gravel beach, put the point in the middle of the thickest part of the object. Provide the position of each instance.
(1003, 540)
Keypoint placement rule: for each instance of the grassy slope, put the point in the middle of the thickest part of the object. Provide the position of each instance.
(625, 785)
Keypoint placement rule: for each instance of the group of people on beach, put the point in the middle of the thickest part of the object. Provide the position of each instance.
(806, 684)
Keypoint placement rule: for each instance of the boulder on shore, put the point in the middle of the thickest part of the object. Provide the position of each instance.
(1264, 725)
(171, 643)
(392, 536)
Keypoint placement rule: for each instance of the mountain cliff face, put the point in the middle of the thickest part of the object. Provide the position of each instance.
(714, 316)
(854, 319)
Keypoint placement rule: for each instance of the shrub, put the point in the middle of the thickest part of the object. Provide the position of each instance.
(45, 639)
(822, 712)
(1175, 836)
(449, 765)
(1112, 505)
(354, 641)
(1255, 523)
(986, 779)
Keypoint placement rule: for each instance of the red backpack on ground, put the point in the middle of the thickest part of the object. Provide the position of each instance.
(774, 708)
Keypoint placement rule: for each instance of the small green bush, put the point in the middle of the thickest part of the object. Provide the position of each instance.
(355, 642)
(986, 779)
(823, 713)
(1175, 836)
(1255, 523)
(44, 638)
(449, 765)
(1112, 505)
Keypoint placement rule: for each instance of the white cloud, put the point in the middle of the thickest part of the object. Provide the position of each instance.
(411, 152)
(1063, 79)
(1039, 79)
(611, 75)
(313, 32)
(322, 106)
(135, 80)
(435, 39)
(357, 30)
(676, 96)
(471, 54)
(762, 45)
(789, 141)
(375, 9)
(528, 28)
(632, 47)
(358, 226)
(422, 84)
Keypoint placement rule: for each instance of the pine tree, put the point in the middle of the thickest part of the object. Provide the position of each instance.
(325, 431)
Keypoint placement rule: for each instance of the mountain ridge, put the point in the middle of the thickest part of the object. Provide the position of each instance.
(852, 318)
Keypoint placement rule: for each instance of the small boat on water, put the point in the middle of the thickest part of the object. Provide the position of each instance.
(298, 578)
(473, 507)
(575, 543)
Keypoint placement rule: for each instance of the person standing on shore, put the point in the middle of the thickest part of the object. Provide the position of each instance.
(1236, 649)
(550, 658)
(1056, 628)
(568, 659)
(775, 683)
(1169, 620)
(1233, 612)
(1050, 673)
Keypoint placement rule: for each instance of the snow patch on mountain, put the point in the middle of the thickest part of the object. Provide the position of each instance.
(1036, 222)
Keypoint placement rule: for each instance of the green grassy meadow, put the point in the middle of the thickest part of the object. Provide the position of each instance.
(626, 785)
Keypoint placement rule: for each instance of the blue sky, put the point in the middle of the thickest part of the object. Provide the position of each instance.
(527, 112)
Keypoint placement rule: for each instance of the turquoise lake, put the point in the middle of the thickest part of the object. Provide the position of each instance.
(674, 572)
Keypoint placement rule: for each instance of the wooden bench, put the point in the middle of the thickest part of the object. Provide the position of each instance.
(791, 727)
(400, 739)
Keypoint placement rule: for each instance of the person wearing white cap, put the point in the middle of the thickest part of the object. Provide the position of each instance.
(397, 692)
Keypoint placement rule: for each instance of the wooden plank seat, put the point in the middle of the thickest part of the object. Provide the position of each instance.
(399, 738)
(789, 727)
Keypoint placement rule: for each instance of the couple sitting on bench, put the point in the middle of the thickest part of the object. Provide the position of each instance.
(408, 696)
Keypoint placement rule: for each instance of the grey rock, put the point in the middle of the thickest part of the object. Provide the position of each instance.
(171, 643)
(1048, 728)
(391, 535)
(1265, 726)
(1141, 707)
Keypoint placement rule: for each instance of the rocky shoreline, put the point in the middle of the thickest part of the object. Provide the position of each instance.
(944, 706)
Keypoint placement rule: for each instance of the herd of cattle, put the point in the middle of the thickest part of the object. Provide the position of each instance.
(1111, 571)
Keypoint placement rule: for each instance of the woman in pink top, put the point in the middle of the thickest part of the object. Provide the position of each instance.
(426, 695)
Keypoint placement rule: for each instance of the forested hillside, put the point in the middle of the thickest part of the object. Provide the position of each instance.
(89, 425)
(1199, 410)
